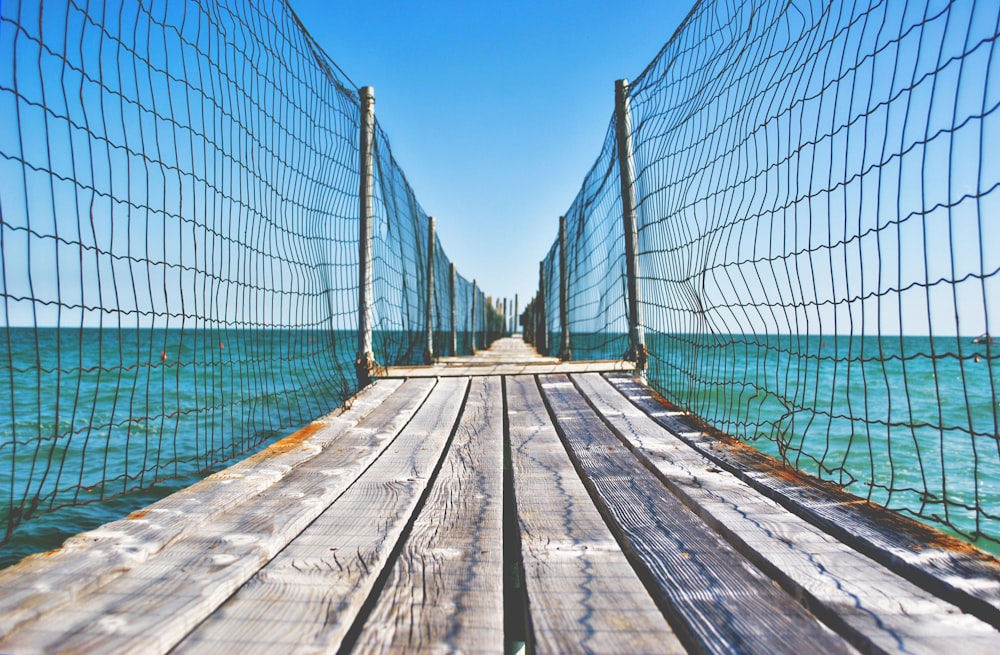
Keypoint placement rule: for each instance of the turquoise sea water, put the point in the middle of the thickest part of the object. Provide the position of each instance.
(95, 424)
(909, 422)
(113, 419)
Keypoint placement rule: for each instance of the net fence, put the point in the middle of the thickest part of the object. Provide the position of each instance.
(817, 199)
(179, 226)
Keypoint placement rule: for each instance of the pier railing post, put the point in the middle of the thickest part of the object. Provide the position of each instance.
(626, 167)
(542, 329)
(517, 315)
(565, 353)
(429, 295)
(365, 360)
(472, 315)
(454, 319)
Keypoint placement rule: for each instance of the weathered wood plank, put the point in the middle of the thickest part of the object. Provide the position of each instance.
(583, 593)
(445, 592)
(718, 602)
(491, 369)
(149, 608)
(307, 598)
(876, 609)
(944, 565)
(43, 583)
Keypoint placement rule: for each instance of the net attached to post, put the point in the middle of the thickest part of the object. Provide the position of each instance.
(817, 195)
(179, 237)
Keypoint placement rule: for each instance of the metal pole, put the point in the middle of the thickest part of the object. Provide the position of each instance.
(542, 331)
(472, 313)
(626, 168)
(564, 349)
(365, 360)
(429, 309)
(454, 321)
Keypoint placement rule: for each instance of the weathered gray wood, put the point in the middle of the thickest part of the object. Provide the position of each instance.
(445, 593)
(429, 299)
(473, 318)
(565, 352)
(454, 315)
(505, 369)
(877, 610)
(718, 602)
(583, 594)
(365, 359)
(947, 567)
(626, 170)
(542, 327)
(307, 598)
(150, 608)
(43, 583)
(507, 356)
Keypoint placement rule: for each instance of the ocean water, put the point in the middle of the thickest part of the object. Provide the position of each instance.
(910, 422)
(97, 423)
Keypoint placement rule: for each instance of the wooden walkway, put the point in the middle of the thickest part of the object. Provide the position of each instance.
(498, 502)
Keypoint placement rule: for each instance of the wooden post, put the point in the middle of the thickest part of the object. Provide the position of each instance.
(472, 314)
(564, 350)
(429, 309)
(454, 320)
(504, 323)
(517, 317)
(626, 168)
(365, 360)
(542, 331)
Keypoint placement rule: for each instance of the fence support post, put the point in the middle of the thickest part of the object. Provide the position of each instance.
(565, 353)
(365, 360)
(472, 314)
(626, 168)
(429, 295)
(542, 330)
(454, 322)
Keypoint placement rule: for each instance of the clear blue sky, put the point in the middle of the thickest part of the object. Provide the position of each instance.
(495, 111)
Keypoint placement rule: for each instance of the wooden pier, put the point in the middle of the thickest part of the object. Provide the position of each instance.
(497, 503)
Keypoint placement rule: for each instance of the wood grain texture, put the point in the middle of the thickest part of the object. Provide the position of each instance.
(507, 356)
(307, 598)
(86, 562)
(445, 592)
(583, 594)
(944, 565)
(718, 601)
(876, 609)
(149, 608)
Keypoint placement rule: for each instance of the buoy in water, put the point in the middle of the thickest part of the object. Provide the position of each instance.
(163, 355)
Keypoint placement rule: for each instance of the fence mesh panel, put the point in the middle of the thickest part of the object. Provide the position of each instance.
(179, 236)
(817, 199)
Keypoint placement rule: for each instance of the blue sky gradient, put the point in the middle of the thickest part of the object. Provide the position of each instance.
(495, 111)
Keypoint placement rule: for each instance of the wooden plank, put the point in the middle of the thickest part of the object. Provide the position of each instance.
(148, 609)
(944, 565)
(877, 610)
(718, 602)
(445, 592)
(562, 368)
(583, 594)
(43, 583)
(307, 598)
